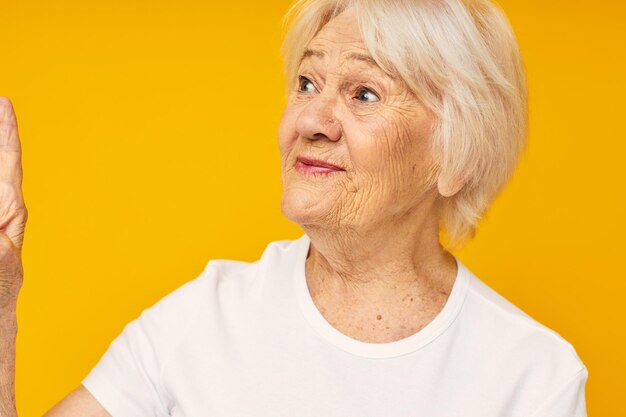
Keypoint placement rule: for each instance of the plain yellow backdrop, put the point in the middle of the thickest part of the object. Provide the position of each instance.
(149, 147)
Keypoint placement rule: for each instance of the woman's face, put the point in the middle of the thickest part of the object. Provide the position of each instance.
(346, 112)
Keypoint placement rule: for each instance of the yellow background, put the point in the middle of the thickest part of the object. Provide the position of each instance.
(149, 140)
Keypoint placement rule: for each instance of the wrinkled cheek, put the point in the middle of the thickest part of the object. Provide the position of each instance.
(387, 151)
(393, 162)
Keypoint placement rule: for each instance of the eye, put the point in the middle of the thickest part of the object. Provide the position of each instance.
(366, 95)
(305, 85)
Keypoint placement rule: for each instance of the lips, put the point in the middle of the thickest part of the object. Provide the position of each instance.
(315, 166)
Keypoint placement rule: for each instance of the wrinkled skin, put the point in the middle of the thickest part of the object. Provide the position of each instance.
(383, 145)
(13, 218)
(13, 213)
(373, 227)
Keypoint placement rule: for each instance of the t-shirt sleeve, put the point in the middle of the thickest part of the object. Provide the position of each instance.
(568, 401)
(127, 379)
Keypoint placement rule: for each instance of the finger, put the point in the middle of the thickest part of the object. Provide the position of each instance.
(15, 229)
(11, 272)
(10, 148)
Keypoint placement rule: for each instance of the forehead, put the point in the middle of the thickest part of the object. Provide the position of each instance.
(344, 25)
(341, 35)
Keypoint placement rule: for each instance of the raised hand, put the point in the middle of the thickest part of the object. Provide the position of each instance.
(13, 217)
(13, 213)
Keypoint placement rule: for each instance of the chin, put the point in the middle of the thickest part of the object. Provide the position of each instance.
(301, 207)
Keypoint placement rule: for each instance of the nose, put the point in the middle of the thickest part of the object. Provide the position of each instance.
(318, 119)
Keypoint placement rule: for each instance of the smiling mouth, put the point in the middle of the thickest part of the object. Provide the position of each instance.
(315, 166)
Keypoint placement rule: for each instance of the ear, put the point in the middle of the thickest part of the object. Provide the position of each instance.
(449, 186)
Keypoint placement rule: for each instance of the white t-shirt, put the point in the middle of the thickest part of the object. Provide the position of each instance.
(245, 339)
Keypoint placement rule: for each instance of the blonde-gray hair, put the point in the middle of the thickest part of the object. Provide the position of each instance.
(461, 59)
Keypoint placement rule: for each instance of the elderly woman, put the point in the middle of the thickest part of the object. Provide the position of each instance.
(404, 118)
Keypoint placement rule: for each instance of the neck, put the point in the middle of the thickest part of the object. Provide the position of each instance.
(401, 257)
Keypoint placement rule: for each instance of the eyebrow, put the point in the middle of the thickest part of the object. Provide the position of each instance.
(312, 53)
(354, 56)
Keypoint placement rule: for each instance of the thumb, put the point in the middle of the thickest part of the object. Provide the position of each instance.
(11, 271)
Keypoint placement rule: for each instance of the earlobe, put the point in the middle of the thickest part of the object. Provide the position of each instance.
(449, 186)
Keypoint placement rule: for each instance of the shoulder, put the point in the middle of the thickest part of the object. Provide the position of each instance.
(502, 332)
(186, 299)
(223, 284)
